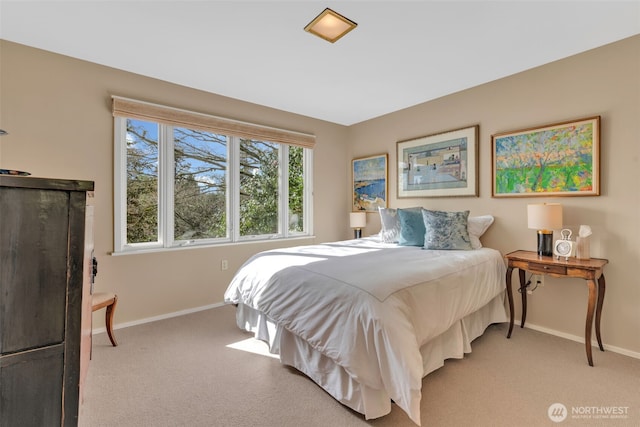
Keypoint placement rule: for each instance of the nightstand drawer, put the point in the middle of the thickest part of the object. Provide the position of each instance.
(545, 268)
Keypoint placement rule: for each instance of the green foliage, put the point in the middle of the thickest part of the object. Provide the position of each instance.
(142, 209)
(549, 178)
(197, 213)
(296, 189)
(258, 188)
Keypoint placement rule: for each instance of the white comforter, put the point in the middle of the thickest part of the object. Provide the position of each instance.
(370, 306)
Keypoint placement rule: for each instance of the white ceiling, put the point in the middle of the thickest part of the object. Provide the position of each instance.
(401, 54)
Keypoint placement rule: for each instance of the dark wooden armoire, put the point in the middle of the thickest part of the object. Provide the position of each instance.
(43, 275)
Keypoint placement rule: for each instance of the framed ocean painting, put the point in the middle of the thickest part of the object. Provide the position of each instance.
(440, 165)
(561, 159)
(370, 183)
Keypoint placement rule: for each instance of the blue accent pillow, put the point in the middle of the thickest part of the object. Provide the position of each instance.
(390, 232)
(412, 229)
(446, 230)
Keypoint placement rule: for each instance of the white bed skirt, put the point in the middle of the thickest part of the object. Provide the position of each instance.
(373, 403)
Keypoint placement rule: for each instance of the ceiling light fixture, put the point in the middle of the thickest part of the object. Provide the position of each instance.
(330, 25)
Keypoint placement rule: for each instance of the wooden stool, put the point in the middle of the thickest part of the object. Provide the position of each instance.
(108, 300)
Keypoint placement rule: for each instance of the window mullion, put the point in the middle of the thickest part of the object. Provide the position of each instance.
(233, 189)
(307, 206)
(283, 189)
(120, 183)
(166, 190)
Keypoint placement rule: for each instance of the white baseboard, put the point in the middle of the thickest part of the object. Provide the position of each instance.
(156, 318)
(554, 332)
(579, 339)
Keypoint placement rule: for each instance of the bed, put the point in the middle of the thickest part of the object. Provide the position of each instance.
(367, 319)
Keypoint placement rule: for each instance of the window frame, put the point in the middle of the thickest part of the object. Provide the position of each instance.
(166, 177)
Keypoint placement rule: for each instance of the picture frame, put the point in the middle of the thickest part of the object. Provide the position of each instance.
(370, 188)
(439, 165)
(560, 159)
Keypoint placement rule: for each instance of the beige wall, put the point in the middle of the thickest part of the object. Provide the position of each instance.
(605, 82)
(57, 111)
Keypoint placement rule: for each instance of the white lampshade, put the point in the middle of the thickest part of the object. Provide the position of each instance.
(357, 219)
(544, 216)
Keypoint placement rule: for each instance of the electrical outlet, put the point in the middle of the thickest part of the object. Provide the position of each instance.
(224, 264)
(539, 280)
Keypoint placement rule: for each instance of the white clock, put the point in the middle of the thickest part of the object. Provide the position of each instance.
(564, 247)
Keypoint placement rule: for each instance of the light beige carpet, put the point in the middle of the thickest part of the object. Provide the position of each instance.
(182, 372)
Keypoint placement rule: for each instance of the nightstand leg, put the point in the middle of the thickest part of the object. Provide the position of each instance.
(523, 295)
(510, 298)
(601, 290)
(590, 309)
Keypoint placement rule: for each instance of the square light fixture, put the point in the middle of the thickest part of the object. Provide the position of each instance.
(330, 25)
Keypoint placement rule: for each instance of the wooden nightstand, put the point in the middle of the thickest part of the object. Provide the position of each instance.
(590, 270)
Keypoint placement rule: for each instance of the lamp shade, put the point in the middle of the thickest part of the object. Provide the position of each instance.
(544, 216)
(357, 219)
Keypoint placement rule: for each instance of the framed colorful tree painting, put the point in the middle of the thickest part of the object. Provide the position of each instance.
(561, 159)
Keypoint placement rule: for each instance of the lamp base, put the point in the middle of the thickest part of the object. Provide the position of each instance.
(545, 242)
(357, 233)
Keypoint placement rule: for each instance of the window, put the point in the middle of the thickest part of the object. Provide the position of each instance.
(201, 180)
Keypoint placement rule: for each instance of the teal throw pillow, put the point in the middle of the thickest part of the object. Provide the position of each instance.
(412, 229)
(390, 221)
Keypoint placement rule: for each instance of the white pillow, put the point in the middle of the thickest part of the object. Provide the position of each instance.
(477, 225)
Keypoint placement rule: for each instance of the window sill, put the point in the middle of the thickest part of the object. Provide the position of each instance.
(207, 246)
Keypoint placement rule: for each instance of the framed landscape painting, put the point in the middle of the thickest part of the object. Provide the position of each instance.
(561, 159)
(441, 165)
(370, 183)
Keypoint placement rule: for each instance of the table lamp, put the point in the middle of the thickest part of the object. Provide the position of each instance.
(357, 220)
(545, 217)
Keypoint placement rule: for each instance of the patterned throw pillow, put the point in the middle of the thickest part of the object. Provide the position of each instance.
(412, 229)
(446, 230)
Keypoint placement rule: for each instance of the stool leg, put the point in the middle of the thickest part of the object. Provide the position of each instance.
(109, 320)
